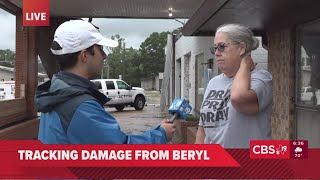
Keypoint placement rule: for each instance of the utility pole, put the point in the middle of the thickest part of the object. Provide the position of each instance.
(108, 70)
(123, 61)
(102, 71)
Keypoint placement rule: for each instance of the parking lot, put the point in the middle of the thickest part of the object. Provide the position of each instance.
(136, 122)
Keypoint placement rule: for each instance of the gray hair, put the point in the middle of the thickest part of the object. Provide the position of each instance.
(240, 34)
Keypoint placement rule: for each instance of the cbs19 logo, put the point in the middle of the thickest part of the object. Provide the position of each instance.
(269, 149)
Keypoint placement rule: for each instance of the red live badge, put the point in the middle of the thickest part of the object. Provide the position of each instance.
(36, 13)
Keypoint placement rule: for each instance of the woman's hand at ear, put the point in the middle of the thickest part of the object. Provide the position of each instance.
(243, 98)
(247, 62)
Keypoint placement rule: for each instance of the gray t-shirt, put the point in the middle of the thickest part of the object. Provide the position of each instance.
(224, 125)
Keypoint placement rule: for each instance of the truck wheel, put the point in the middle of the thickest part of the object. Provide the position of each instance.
(139, 103)
(119, 107)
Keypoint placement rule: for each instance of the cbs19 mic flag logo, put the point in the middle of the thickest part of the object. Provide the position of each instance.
(36, 12)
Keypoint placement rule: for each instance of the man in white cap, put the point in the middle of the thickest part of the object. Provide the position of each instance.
(71, 106)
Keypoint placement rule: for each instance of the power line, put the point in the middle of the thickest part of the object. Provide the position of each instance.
(179, 21)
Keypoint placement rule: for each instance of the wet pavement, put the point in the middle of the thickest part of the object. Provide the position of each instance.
(136, 122)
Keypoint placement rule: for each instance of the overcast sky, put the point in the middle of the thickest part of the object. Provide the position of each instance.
(134, 31)
(7, 30)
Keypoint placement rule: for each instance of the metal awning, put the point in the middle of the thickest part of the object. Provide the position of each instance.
(260, 15)
(121, 8)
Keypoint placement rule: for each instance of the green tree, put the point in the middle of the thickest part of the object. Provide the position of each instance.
(176, 31)
(133, 72)
(116, 58)
(7, 57)
(122, 61)
(134, 64)
(152, 54)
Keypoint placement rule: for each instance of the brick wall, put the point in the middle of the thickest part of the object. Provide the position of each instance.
(182, 135)
(282, 67)
(26, 64)
(20, 64)
(18, 117)
(191, 134)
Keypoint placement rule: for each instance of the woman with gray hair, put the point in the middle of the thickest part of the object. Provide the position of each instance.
(237, 104)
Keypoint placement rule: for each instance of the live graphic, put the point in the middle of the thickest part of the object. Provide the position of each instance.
(36, 13)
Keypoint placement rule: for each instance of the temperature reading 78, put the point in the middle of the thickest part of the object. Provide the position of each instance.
(297, 155)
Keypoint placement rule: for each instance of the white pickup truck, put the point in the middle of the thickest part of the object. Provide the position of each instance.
(308, 96)
(121, 94)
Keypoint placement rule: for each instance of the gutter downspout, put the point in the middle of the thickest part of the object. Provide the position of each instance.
(173, 67)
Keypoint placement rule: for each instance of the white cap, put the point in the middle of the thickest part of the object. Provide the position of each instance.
(77, 35)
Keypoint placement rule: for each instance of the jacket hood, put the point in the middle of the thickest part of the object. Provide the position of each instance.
(63, 87)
